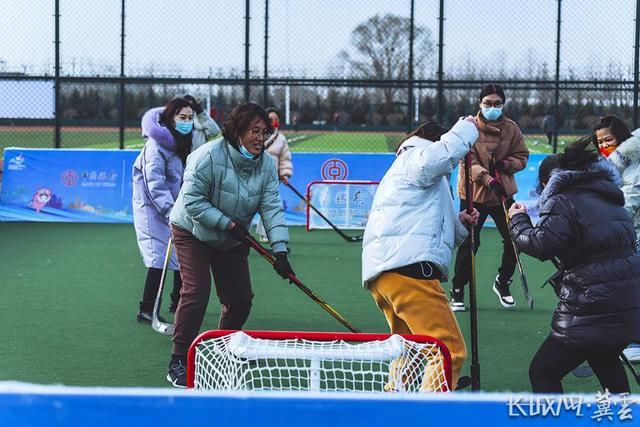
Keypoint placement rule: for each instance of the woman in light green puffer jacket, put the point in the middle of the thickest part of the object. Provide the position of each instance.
(225, 184)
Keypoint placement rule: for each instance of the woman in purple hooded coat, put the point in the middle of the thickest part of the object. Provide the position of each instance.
(157, 177)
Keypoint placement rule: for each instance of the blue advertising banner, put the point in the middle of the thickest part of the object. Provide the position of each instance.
(67, 185)
(95, 185)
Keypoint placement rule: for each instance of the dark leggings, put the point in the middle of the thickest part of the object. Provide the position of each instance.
(151, 286)
(555, 359)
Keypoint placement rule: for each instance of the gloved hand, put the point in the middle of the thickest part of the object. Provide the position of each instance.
(239, 233)
(496, 186)
(282, 266)
(197, 108)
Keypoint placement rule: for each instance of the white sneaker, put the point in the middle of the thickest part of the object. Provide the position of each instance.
(457, 301)
(633, 352)
(503, 293)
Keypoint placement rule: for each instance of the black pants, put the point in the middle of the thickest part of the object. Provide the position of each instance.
(462, 270)
(554, 360)
(550, 138)
(151, 286)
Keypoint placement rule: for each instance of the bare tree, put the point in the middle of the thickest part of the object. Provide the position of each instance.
(380, 50)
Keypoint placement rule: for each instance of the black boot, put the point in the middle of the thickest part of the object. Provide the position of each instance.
(151, 285)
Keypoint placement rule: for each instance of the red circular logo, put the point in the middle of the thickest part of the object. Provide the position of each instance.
(69, 177)
(334, 170)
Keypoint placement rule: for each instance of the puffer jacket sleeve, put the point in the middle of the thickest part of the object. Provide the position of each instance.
(272, 212)
(461, 231)
(210, 127)
(550, 237)
(426, 167)
(285, 166)
(196, 188)
(154, 165)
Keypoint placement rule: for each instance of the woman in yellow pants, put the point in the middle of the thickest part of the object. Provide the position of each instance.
(412, 230)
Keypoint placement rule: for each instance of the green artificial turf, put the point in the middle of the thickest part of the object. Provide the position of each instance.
(70, 294)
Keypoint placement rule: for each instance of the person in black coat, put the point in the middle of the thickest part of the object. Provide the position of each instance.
(584, 225)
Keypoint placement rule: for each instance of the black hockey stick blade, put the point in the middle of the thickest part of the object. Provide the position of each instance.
(583, 371)
(342, 234)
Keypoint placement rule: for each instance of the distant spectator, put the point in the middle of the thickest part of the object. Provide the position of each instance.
(549, 127)
(204, 127)
(498, 155)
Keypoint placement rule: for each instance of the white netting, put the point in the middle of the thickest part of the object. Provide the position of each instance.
(239, 362)
(345, 203)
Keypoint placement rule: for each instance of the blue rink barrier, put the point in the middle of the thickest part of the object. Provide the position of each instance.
(81, 185)
(25, 405)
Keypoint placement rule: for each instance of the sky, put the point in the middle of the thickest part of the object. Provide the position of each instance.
(306, 36)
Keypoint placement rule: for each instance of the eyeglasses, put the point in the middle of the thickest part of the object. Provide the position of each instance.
(496, 104)
(259, 133)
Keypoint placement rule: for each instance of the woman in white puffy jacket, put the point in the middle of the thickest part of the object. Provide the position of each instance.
(278, 149)
(612, 138)
(412, 230)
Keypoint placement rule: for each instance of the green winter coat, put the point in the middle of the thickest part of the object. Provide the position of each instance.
(221, 186)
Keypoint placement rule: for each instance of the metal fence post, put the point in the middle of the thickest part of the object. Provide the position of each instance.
(410, 106)
(556, 101)
(56, 71)
(265, 90)
(440, 89)
(246, 50)
(122, 87)
(636, 67)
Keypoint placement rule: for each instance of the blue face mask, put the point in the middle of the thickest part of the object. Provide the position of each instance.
(491, 113)
(184, 127)
(245, 153)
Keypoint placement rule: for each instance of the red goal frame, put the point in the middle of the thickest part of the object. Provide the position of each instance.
(322, 181)
(314, 336)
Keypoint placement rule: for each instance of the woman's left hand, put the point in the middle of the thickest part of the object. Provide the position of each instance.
(469, 219)
(517, 208)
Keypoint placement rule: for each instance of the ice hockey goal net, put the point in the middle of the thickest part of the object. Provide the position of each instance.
(318, 361)
(345, 203)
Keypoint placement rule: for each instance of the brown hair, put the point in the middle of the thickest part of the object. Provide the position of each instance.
(428, 130)
(240, 119)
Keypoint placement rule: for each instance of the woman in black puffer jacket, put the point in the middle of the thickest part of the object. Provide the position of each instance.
(584, 225)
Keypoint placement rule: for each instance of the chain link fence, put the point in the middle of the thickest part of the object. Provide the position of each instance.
(81, 74)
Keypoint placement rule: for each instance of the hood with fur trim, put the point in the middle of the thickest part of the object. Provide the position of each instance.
(628, 152)
(151, 128)
(601, 177)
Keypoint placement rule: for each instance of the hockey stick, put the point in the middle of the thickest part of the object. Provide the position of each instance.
(293, 279)
(336, 229)
(523, 278)
(626, 361)
(157, 325)
(473, 309)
